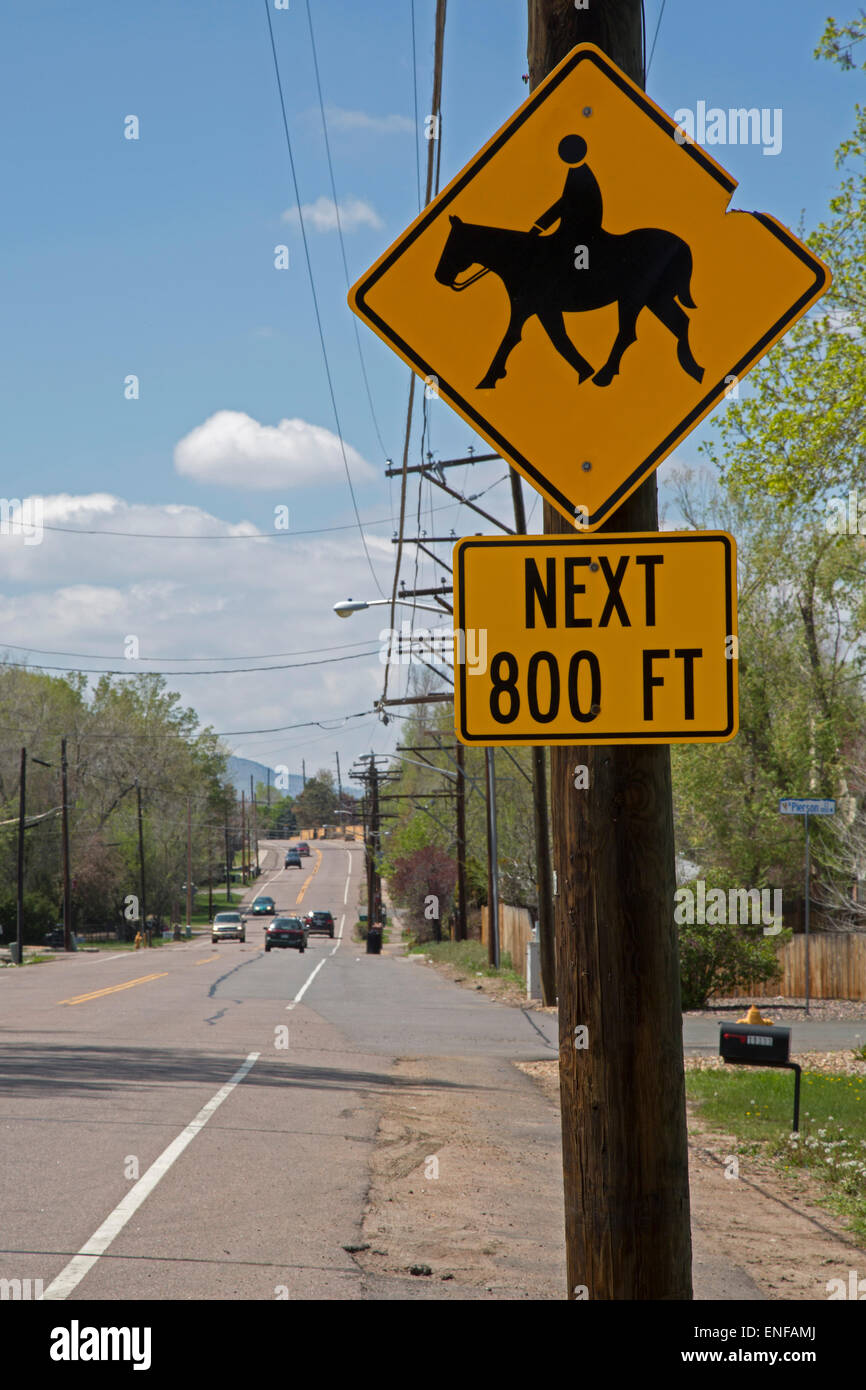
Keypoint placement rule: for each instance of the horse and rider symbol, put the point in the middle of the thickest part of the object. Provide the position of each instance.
(644, 269)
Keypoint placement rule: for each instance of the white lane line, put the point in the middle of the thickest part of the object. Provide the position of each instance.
(336, 946)
(306, 985)
(346, 890)
(78, 1266)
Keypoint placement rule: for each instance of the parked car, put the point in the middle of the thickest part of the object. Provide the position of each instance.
(56, 937)
(228, 926)
(303, 849)
(287, 931)
(318, 920)
(263, 906)
(293, 860)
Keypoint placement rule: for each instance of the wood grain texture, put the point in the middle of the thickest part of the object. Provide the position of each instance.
(625, 1155)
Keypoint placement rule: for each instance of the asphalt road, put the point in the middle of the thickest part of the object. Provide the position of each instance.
(195, 1122)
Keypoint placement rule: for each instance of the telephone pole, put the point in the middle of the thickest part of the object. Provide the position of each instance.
(461, 932)
(64, 835)
(142, 907)
(255, 822)
(625, 1157)
(22, 804)
(543, 877)
(492, 863)
(189, 860)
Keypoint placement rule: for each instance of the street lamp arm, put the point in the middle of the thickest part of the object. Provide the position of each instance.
(346, 607)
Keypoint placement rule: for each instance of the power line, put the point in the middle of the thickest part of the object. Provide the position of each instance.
(441, 6)
(303, 228)
(340, 230)
(184, 536)
(263, 656)
(655, 37)
(216, 671)
(341, 721)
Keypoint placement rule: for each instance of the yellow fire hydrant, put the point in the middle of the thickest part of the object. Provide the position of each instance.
(754, 1016)
(138, 940)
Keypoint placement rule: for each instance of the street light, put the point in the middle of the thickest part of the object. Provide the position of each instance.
(347, 606)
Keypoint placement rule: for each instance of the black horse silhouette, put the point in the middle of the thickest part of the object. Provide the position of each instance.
(644, 269)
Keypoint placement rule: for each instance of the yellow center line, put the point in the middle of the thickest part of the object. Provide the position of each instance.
(207, 960)
(112, 989)
(310, 879)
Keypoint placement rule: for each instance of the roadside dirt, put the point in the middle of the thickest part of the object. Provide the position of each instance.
(766, 1221)
(466, 1186)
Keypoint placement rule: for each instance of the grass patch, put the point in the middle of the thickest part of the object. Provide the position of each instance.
(757, 1106)
(470, 956)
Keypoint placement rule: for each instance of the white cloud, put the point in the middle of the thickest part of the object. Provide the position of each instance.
(322, 215)
(234, 450)
(204, 598)
(340, 119)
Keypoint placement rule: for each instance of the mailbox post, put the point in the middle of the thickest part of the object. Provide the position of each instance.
(756, 1045)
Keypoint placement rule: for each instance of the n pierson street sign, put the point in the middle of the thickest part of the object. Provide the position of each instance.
(597, 639)
(581, 294)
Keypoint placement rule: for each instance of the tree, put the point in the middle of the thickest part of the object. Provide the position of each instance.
(423, 887)
(317, 803)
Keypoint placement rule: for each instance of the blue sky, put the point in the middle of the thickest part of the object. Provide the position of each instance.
(156, 257)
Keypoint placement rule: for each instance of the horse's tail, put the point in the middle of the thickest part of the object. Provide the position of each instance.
(684, 279)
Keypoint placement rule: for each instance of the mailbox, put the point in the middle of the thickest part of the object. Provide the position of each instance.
(756, 1045)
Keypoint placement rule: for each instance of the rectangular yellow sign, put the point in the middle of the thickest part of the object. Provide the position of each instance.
(596, 638)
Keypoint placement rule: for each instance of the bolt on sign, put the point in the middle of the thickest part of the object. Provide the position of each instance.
(598, 639)
(581, 295)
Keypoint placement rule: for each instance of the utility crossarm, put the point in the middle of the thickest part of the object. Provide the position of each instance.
(418, 700)
(432, 540)
(416, 795)
(446, 463)
(443, 588)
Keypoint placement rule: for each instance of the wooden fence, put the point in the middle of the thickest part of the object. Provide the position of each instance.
(837, 967)
(837, 960)
(515, 930)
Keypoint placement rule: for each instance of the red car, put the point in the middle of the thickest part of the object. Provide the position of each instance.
(287, 932)
(303, 848)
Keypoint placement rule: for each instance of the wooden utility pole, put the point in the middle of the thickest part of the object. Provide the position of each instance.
(544, 883)
(255, 824)
(229, 859)
(64, 836)
(622, 1083)
(492, 863)
(373, 851)
(243, 838)
(19, 900)
(142, 906)
(189, 860)
(461, 932)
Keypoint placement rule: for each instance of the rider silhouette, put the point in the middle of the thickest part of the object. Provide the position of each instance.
(579, 209)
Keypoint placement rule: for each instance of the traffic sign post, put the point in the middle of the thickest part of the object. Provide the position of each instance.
(602, 639)
(807, 806)
(580, 294)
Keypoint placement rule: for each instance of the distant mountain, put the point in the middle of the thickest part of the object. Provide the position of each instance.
(241, 769)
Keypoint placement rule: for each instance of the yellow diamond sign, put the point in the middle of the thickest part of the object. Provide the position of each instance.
(581, 295)
(596, 639)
